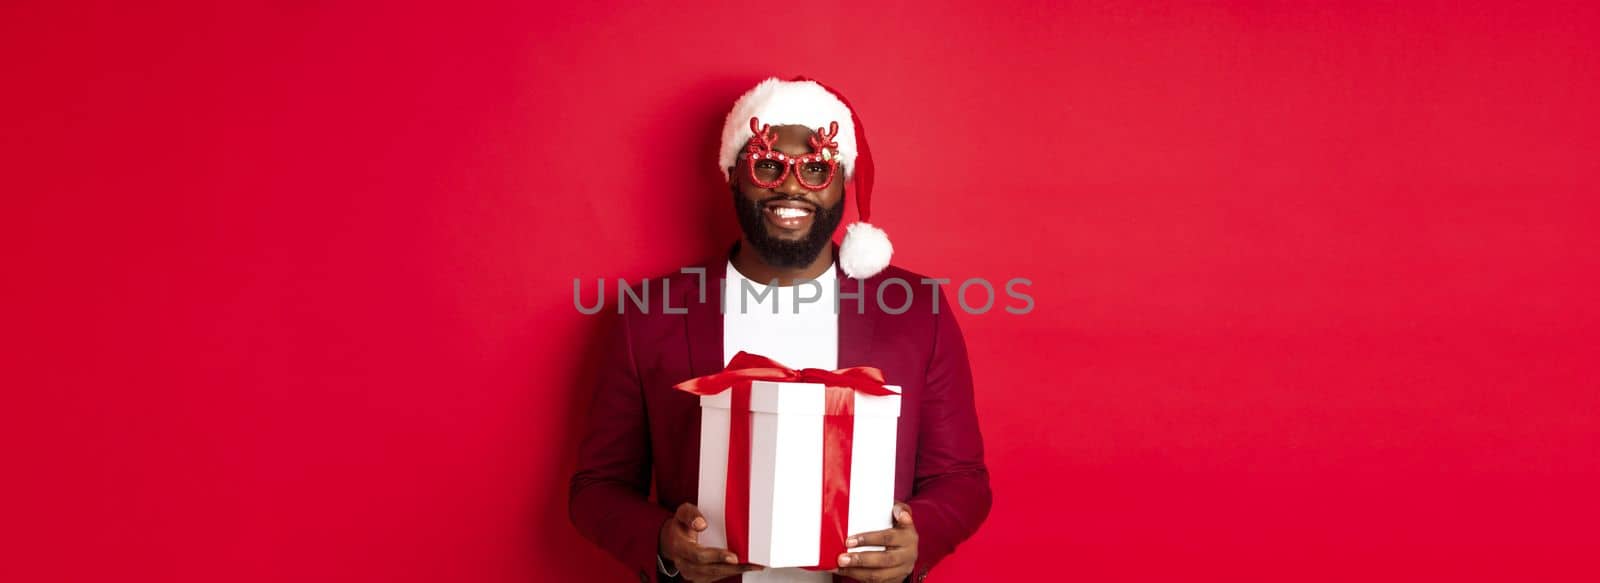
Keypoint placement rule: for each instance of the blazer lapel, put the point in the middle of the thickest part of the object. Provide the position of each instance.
(857, 321)
(703, 322)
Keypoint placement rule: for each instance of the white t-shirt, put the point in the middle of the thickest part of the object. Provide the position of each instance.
(800, 335)
(804, 333)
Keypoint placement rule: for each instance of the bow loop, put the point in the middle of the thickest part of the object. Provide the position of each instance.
(745, 367)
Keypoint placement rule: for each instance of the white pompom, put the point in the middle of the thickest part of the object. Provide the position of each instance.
(865, 252)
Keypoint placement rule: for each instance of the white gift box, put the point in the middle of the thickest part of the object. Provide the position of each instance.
(786, 443)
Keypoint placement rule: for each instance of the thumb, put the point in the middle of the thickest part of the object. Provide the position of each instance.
(690, 517)
(902, 514)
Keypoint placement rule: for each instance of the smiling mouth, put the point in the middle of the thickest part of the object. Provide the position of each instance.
(788, 215)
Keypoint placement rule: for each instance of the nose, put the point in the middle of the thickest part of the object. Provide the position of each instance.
(791, 184)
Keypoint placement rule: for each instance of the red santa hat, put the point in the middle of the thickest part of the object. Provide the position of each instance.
(801, 101)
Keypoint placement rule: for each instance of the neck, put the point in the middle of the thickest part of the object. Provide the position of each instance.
(754, 268)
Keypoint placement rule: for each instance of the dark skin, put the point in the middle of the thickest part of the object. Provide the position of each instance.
(792, 140)
(679, 545)
(679, 539)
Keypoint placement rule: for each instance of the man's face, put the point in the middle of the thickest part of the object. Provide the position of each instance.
(787, 224)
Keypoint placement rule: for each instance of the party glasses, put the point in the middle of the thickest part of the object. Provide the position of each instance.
(814, 171)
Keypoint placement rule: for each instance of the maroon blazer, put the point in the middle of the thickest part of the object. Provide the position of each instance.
(641, 427)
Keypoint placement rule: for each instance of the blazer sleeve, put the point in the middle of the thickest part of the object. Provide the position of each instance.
(608, 497)
(950, 496)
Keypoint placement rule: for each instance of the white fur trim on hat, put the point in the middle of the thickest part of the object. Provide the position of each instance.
(777, 102)
(865, 250)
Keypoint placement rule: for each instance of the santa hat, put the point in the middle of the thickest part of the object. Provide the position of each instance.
(802, 101)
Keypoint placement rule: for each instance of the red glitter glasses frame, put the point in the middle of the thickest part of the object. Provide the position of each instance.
(823, 149)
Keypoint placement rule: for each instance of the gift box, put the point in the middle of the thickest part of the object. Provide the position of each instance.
(790, 467)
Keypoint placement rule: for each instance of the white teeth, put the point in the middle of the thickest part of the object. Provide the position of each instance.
(790, 213)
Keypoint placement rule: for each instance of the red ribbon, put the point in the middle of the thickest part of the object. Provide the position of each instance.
(838, 429)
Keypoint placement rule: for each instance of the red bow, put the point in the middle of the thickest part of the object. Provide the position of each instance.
(837, 435)
(746, 367)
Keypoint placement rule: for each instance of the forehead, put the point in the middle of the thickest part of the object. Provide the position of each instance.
(793, 139)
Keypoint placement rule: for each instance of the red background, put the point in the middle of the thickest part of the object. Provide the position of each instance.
(289, 287)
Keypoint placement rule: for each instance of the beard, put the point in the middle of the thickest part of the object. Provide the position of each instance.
(785, 253)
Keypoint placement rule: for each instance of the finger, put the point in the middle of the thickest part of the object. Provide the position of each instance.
(871, 560)
(689, 516)
(712, 556)
(715, 572)
(902, 514)
(882, 538)
(874, 575)
(892, 538)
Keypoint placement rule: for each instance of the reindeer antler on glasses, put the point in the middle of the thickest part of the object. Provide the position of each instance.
(764, 137)
(822, 142)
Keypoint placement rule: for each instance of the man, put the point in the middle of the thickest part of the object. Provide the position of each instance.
(788, 149)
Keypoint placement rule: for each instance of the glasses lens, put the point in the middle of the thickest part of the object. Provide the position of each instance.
(814, 173)
(767, 172)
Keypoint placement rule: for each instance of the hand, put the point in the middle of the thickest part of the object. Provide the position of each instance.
(680, 543)
(894, 562)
